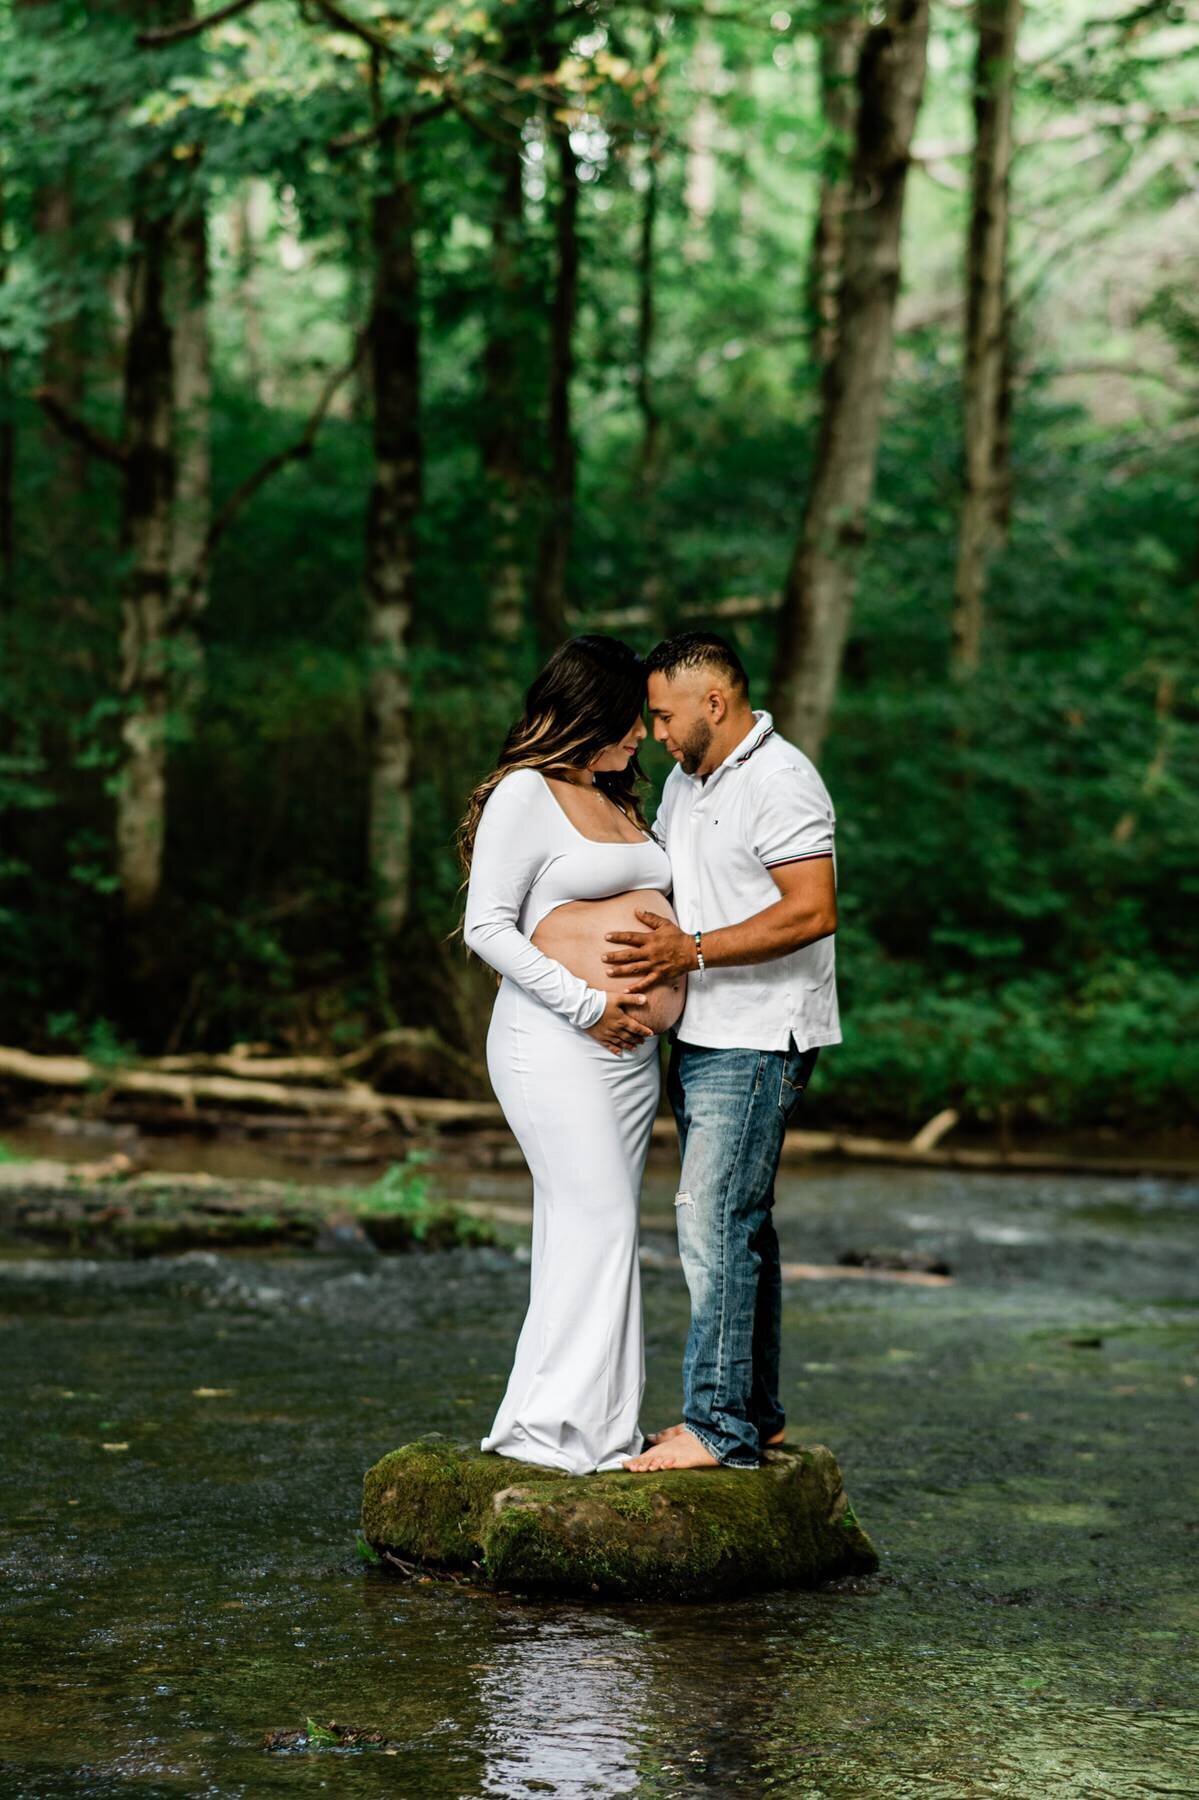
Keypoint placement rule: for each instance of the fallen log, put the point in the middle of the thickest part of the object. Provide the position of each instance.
(930, 1135)
(423, 1058)
(354, 1097)
(357, 1102)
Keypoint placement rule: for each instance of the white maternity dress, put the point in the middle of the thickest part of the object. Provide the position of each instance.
(582, 1118)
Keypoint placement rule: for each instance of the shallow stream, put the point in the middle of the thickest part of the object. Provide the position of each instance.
(184, 1440)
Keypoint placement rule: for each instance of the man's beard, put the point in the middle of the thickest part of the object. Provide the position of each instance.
(694, 747)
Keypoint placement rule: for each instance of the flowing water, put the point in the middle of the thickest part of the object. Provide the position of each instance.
(1021, 1444)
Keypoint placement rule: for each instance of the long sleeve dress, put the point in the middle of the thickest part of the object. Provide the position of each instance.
(582, 1118)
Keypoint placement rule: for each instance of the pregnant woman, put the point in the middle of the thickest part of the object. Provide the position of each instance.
(557, 854)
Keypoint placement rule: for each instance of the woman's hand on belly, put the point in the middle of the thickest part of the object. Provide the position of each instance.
(619, 1028)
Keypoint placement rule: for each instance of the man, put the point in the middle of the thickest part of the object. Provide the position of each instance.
(748, 825)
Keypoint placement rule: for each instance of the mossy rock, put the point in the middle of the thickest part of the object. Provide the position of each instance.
(673, 1535)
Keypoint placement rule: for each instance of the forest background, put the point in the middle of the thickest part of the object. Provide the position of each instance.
(354, 352)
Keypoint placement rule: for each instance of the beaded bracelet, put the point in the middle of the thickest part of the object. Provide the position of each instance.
(699, 951)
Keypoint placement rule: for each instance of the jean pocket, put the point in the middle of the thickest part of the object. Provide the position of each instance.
(794, 1076)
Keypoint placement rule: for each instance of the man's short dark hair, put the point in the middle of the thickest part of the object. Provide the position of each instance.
(698, 650)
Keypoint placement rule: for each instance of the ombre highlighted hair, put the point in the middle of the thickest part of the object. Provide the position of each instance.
(590, 692)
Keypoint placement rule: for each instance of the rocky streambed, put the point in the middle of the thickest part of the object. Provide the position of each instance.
(107, 1209)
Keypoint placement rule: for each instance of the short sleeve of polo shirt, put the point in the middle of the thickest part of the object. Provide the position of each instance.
(793, 818)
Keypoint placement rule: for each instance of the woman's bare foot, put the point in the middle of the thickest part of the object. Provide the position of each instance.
(681, 1452)
(672, 1431)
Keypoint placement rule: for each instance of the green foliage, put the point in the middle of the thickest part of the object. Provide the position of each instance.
(405, 1191)
(97, 1040)
(320, 1734)
(1016, 867)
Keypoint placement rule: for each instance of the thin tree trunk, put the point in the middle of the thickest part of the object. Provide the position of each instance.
(63, 356)
(155, 291)
(651, 423)
(653, 585)
(146, 535)
(245, 233)
(358, 296)
(394, 335)
(746, 193)
(549, 594)
(1001, 462)
(818, 595)
(840, 45)
(703, 125)
(8, 469)
(504, 434)
(984, 498)
(193, 408)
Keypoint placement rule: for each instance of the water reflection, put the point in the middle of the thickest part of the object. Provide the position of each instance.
(563, 1702)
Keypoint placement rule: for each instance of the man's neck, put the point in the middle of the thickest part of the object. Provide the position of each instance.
(734, 731)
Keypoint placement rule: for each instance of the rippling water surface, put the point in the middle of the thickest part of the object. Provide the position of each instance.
(1021, 1444)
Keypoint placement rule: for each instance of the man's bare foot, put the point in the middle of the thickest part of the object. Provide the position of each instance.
(672, 1431)
(682, 1452)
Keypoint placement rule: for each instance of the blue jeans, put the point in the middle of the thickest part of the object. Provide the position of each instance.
(732, 1108)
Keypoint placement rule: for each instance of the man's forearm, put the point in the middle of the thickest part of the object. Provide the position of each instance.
(772, 933)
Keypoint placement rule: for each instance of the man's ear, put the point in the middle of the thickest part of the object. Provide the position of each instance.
(717, 705)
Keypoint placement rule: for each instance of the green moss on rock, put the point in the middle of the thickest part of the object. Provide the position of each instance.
(429, 1501)
(670, 1535)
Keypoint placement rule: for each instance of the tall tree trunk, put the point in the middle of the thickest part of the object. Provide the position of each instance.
(840, 45)
(193, 408)
(505, 436)
(247, 224)
(146, 534)
(649, 469)
(8, 470)
(63, 356)
(703, 125)
(984, 499)
(1001, 460)
(161, 239)
(358, 293)
(651, 423)
(394, 334)
(818, 596)
(549, 593)
(63, 359)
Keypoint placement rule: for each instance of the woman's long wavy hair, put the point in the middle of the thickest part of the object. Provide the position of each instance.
(587, 696)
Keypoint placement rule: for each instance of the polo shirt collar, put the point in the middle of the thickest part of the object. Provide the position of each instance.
(740, 753)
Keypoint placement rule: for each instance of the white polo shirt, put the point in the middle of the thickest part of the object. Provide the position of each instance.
(763, 806)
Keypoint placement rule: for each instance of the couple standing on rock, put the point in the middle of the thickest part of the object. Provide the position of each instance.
(570, 900)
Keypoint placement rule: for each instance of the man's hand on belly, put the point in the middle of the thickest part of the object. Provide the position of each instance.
(805, 912)
(660, 953)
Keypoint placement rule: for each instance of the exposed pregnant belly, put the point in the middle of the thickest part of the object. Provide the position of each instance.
(574, 936)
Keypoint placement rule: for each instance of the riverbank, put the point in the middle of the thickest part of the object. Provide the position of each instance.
(106, 1208)
(335, 1149)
